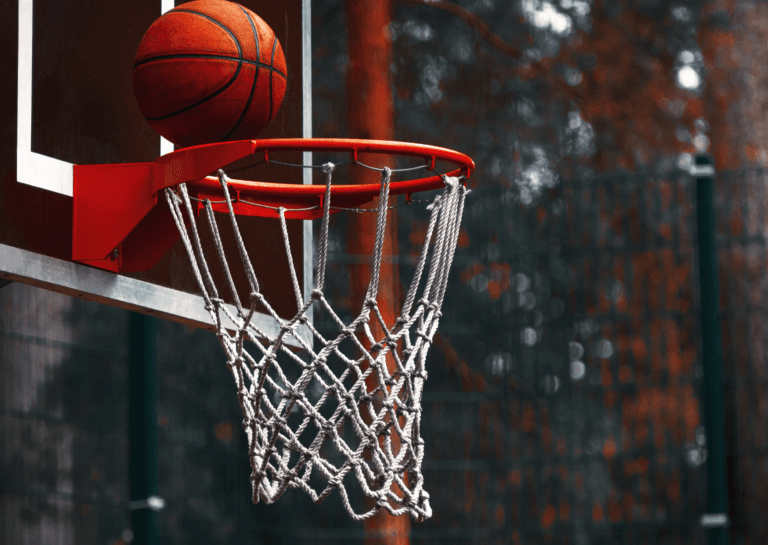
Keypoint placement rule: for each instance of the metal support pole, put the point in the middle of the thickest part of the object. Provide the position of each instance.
(716, 519)
(143, 429)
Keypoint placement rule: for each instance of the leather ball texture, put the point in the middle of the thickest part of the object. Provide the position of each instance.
(209, 71)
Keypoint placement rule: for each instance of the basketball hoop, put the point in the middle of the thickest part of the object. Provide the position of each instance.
(312, 419)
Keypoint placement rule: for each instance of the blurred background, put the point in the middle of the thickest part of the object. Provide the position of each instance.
(564, 401)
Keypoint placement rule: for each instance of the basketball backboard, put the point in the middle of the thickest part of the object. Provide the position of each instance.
(75, 105)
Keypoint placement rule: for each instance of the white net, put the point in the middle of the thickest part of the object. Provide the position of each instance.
(344, 413)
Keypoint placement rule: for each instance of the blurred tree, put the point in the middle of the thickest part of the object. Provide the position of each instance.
(370, 114)
(571, 310)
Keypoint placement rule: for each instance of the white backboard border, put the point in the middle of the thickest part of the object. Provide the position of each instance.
(55, 175)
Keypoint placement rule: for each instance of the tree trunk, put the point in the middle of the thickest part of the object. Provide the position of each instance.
(370, 114)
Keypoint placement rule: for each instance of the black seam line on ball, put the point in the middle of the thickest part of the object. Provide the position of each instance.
(223, 87)
(211, 57)
(272, 64)
(255, 76)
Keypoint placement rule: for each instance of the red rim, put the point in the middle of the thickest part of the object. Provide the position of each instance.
(194, 165)
(191, 165)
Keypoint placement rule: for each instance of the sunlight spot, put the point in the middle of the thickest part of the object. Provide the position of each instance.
(533, 178)
(422, 32)
(686, 57)
(499, 364)
(572, 76)
(462, 50)
(528, 336)
(581, 8)
(574, 120)
(578, 370)
(688, 78)
(522, 282)
(685, 161)
(701, 125)
(681, 13)
(701, 142)
(683, 134)
(604, 349)
(479, 282)
(544, 15)
(561, 24)
(575, 350)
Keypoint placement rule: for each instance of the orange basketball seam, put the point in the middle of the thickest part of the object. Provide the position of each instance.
(271, 81)
(212, 56)
(223, 87)
(255, 77)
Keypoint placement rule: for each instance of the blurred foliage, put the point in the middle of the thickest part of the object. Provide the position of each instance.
(564, 380)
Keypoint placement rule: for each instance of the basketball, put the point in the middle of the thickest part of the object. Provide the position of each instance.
(209, 71)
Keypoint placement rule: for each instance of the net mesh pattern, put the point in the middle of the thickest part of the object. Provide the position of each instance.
(343, 412)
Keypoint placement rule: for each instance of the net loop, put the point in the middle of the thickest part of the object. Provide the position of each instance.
(344, 412)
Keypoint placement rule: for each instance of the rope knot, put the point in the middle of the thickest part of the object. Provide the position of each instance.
(450, 181)
(370, 302)
(317, 294)
(291, 393)
(329, 167)
(277, 424)
(435, 203)
(173, 196)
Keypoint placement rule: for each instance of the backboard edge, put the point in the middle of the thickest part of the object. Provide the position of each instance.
(119, 291)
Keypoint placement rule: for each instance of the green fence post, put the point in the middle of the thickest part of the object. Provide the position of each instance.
(715, 521)
(145, 502)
